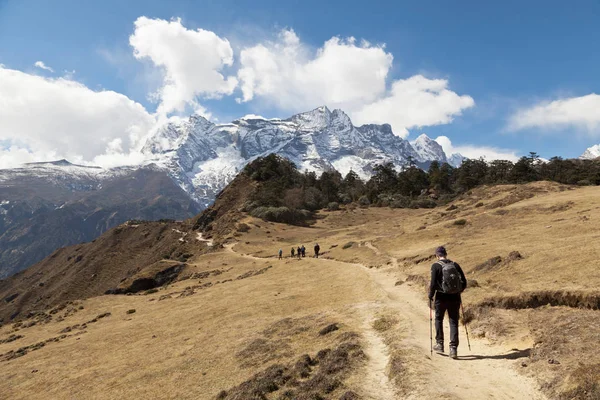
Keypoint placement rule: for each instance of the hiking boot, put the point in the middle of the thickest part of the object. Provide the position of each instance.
(453, 354)
(439, 348)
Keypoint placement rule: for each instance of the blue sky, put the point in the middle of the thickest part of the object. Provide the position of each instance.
(501, 65)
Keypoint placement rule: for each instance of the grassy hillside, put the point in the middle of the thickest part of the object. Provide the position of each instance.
(240, 324)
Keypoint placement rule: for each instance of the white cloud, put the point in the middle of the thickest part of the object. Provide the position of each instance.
(579, 112)
(40, 64)
(475, 152)
(343, 74)
(192, 62)
(413, 103)
(49, 118)
(15, 155)
(289, 75)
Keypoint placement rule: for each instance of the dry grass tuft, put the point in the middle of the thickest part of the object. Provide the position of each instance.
(497, 262)
(488, 265)
(260, 351)
(397, 368)
(585, 382)
(417, 279)
(328, 329)
(307, 378)
(350, 395)
(384, 323)
(537, 299)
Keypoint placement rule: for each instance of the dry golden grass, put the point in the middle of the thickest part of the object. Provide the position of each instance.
(213, 331)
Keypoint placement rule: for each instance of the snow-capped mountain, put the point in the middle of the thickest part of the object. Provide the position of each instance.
(428, 149)
(202, 157)
(456, 159)
(591, 153)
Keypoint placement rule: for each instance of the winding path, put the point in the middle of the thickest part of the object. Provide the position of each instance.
(486, 372)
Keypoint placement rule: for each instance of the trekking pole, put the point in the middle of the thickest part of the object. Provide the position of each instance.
(431, 329)
(465, 324)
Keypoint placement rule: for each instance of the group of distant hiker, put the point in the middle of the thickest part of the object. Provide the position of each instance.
(301, 251)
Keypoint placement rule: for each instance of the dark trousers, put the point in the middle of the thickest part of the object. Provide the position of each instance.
(452, 305)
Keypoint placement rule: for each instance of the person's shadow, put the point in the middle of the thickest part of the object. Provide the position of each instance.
(514, 354)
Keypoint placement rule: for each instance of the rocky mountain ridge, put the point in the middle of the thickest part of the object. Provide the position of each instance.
(202, 157)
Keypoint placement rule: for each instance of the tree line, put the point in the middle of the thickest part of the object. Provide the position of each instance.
(285, 194)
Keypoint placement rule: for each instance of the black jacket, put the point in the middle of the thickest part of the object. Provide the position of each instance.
(436, 282)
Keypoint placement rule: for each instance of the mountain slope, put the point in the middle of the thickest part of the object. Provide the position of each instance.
(45, 206)
(121, 255)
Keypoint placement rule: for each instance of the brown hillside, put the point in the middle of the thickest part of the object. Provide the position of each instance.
(90, 269)
(354, 323)
(122, 254)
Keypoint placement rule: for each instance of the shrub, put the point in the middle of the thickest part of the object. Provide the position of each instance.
(242, 227)
(348, 245)
(460, 222)
(364, 201)
(184, 257)
(345, 198)
(333, 206)
(281, 214)
(400, 202)
(313, 199)
(423, 203)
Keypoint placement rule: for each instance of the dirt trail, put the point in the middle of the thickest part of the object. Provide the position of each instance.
(376, 383)
(485, 372)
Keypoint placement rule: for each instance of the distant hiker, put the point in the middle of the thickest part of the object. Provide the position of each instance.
(293, 252)
(303, 249)
(317, 249)
(299, 252)
(280, 254)
(447, 283)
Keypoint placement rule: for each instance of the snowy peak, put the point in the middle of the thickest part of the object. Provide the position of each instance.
(317, 119)
(456, 159)
(175, 134)
(203, 157)
(428, 149)
(591, 153)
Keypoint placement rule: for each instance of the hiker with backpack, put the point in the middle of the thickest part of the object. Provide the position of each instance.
(280, 254)
(299, 252)
(293, 252)
(303, 251)
(317, 249)
(447, 283)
